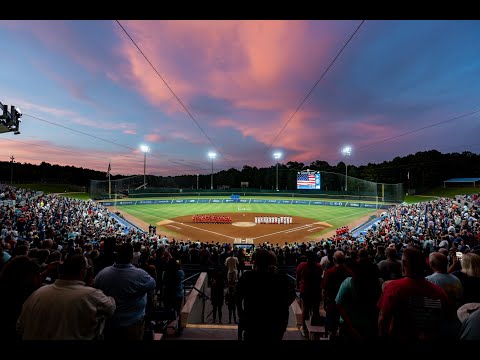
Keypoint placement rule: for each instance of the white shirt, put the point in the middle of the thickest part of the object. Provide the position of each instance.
(231, 263)
(65, 310)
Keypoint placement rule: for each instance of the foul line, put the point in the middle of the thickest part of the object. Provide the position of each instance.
(213, 232)
(280, 232)
(315, 228)
(174, 227)
(299, 228)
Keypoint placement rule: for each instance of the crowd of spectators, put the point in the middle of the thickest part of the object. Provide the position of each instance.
(418, 262)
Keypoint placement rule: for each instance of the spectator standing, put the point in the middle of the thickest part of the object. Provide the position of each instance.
(217, 289)
(232, 264)
(391, 267)
(67, 309)
(309, 282)
(172, 279)
(331, 282)
(230, 298)
(469, 315)
(263, 299)
(357, 300)
(412, 307)
(129, 287)
(469, 275)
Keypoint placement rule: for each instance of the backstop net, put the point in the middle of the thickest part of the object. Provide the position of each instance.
(105, 189)
(339, 185)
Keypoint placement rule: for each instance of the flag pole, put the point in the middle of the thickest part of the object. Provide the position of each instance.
(109, 187)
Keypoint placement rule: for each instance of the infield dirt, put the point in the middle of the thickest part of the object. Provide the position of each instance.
(243, 227)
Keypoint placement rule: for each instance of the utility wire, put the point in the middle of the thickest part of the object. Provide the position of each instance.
(413, 131)
(166, 84)
(98, 138)
(81, 132)
(419, 129)
(314, 86)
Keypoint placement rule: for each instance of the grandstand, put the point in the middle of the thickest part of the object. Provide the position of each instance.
(426, 230)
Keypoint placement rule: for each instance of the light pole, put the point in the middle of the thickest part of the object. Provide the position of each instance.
(197, 180)
(145, 149)
(212, 156)
(346, 151)
(11, 169)
(277, 156)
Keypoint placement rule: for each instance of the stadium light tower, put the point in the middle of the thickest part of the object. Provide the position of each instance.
(277, 156)
(212, 156)
(346, 151)
(145, 149)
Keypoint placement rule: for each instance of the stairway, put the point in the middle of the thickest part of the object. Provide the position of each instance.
(196, 320)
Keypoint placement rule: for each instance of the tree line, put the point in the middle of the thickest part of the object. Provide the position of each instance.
(419, 171)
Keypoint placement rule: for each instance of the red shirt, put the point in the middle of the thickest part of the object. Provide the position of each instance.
(309, 283)
(332, 280)
(414, 307)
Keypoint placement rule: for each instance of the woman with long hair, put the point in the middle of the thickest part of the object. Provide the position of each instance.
(469, 275)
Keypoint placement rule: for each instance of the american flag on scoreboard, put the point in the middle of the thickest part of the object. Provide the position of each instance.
(304, 179)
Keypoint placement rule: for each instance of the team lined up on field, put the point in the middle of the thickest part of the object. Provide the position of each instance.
(273, 220)
(212, 219)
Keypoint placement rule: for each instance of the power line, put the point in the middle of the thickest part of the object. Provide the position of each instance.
(169, 88)
(314, 86)
(419, 129)
(413, 131)
(98, 138)
(80, 132)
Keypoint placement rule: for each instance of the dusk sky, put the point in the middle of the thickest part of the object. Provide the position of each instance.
(241, 81)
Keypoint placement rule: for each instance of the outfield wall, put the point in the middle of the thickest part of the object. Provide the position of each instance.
(313, 194)
(245, 201)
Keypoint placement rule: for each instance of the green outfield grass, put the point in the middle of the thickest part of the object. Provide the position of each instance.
(335, 215)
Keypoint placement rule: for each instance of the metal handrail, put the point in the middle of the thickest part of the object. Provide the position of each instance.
(205, 296)
(295, 280)
(185, 280)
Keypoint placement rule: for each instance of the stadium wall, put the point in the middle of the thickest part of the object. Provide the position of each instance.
(245, 201)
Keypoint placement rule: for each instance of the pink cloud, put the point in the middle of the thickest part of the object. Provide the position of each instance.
(253, 66)
(251, 58)
(154, 137)
(129, 131)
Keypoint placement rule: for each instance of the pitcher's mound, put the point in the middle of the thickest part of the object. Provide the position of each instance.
(244, 224)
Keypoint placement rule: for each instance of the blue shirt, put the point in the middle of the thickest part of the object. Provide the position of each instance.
(128, 285)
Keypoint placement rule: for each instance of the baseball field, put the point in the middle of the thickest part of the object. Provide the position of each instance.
(309, 221)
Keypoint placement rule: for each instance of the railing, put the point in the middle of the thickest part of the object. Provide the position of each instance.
(297, 293)
(202, 295)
